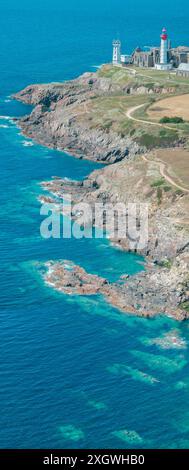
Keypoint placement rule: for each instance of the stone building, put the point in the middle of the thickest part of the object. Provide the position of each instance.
(164, 57)
(183, 70)
(175, 56)
(179, 55)
(143, 58)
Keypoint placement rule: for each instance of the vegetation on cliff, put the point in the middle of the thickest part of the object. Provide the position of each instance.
(114, 116)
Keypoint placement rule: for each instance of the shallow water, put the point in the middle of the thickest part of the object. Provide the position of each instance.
(73, 371)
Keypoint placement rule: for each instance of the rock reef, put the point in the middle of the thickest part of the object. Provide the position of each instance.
(134, 296)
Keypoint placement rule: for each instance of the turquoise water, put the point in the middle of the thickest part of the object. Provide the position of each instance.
(75, 372)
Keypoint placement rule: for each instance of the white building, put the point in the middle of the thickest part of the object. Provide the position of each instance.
(116, 60)
(183, 70)
(126, 59)
(163, 64)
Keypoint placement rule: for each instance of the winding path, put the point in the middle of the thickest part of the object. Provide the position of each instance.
(130, 112)
(162, 169)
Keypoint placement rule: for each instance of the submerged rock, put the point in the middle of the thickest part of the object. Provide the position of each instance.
(71, 433)
(169, 340)
(129, 437)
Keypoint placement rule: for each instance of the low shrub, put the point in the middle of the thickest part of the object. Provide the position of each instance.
(173, 120)
(157, 183)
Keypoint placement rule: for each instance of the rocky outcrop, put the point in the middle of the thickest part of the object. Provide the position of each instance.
(148, 294)
(164, 285)
(132, 182)
(62, 116)
(59, 120)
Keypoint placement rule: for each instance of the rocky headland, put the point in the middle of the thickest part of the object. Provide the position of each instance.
(60, 120)
(88, 117)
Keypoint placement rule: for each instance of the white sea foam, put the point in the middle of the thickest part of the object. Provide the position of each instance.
(6, 118)
(97, 66)
(26, 143)
(3, 126)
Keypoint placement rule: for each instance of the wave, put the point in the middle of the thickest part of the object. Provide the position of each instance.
(26, 143)
(6, 118)
(97, 66)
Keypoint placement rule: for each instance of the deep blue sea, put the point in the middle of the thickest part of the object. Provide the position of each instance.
(75, 372)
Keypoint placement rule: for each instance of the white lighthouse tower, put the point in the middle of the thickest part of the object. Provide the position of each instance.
(164, 47)
(164, 65)
(116, 52)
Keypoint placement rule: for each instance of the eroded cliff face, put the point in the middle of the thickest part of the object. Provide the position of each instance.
(88, 118)
(86, 86)
(135, 182)
(85, 116)
(61, 120)
(164, 286)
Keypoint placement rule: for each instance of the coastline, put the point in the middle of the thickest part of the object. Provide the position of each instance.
(160, 289)
(163, 288)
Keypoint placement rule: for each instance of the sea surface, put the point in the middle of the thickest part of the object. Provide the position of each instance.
(75, 372)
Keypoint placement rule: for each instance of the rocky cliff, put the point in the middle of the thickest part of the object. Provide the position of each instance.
(87, 116)
(164, 286)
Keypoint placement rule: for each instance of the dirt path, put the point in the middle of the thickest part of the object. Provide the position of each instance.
(163, 173)
(130, 112)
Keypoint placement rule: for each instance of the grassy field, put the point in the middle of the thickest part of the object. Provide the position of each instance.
(142, 75)
(111, 113)
(177, 162)
(110, 110)
(172, 106)
(132, 87)
(163, 174)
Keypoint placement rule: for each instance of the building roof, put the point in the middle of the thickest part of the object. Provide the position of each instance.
(140, 52)
(182, 48)
(184, 67)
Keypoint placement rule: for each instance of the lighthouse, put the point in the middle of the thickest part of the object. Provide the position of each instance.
(164, 65)
(116, 52)
(164, 47)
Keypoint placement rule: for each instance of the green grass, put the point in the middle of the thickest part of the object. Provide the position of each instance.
(167, 188)
(159, 195)
(155, 138)
(161, 183)
(166, 263)
(185, 306)
(157, 183)
(179, 192)
(149, 77)
(107, 125)
(108, 111)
